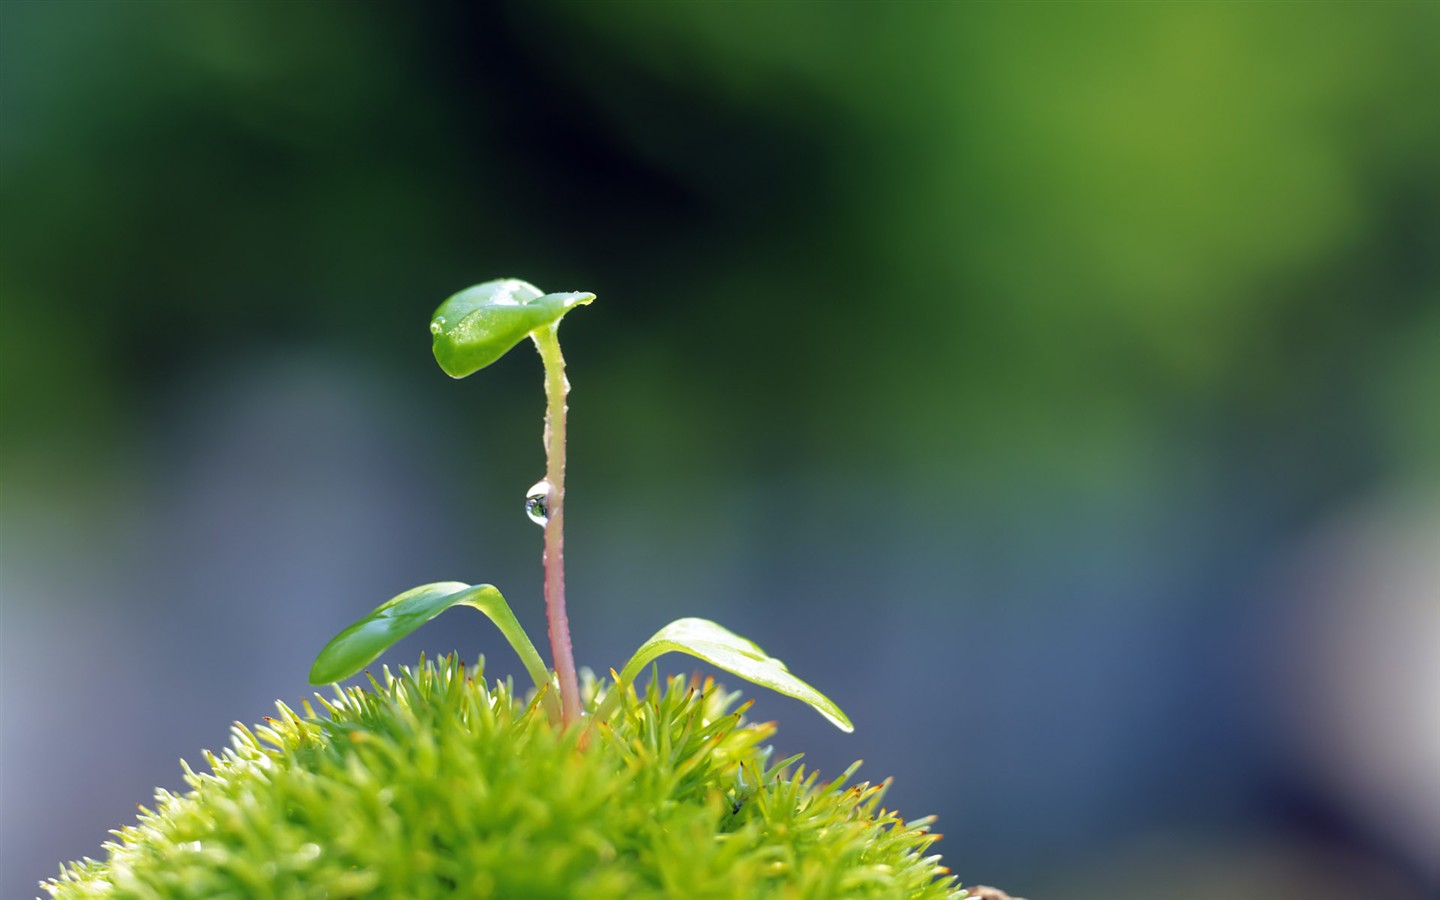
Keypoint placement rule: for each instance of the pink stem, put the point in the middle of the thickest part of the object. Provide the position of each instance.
(556, 388)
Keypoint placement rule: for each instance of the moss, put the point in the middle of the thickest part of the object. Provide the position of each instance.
(435, 784)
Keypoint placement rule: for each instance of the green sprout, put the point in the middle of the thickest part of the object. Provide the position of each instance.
(434, 783)
(471, 330)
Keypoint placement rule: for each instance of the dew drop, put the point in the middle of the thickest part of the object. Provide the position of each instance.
(537, 502)
(438, 324)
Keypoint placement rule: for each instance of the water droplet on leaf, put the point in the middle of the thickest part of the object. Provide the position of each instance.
(537, 502)
(437, 325)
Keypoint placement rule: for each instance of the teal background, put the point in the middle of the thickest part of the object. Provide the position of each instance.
(1055, 386)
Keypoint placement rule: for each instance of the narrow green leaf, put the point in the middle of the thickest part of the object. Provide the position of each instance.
(726, 650)
(357, 646)
(480, 324)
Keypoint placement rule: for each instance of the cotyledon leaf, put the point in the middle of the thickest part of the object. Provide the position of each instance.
(480, 324)
(727, 650)
(357, 646)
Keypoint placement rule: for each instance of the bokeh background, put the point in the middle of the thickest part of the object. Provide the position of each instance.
(1057, 386)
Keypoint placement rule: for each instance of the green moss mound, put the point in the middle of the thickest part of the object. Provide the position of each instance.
(434, 784)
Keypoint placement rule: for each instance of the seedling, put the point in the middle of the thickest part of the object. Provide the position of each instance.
(434, 783)
(471, 330)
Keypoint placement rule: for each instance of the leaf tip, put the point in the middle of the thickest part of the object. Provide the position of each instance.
(320, 674)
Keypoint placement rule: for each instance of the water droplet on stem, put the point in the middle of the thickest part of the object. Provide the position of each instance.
(437, 325)
(537, 502)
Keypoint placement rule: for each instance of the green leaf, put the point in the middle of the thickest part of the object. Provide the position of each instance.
(357, 646)
(726, 650)
(480, 324)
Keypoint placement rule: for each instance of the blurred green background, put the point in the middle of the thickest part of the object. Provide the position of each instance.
(1057, 386)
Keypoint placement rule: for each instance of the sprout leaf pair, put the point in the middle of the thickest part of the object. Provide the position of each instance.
(357, 646)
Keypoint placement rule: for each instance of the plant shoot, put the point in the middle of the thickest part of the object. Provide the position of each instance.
(471, 330)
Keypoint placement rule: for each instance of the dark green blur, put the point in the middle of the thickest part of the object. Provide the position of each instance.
(979, 234)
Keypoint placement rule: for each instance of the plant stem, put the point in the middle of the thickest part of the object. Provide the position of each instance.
(556, 387)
